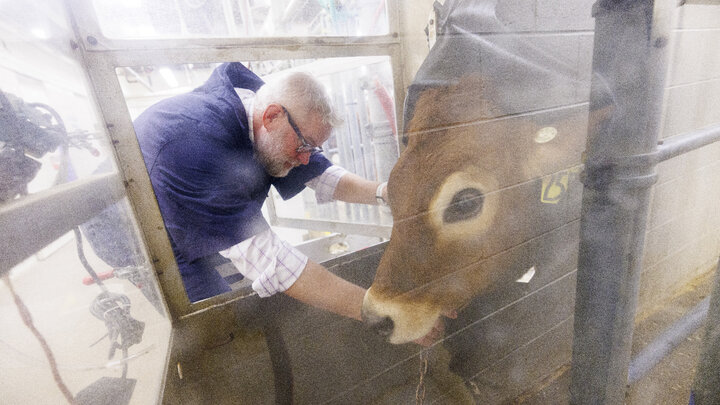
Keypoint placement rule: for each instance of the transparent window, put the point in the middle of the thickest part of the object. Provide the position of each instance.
(50, 134)
(366, 143)
(145, 19)
(82, 318)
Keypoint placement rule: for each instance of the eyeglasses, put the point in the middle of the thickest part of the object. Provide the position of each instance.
(305, 146)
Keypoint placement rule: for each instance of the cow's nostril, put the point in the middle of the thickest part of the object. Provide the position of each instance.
(383, 326)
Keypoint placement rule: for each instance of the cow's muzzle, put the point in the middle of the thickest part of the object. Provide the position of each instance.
(382, 325)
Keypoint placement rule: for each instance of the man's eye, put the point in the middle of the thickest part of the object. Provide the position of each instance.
(466, 204)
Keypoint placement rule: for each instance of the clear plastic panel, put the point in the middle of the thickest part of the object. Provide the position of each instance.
(99, 339)
(50, 131)
(366, 143)
(144, 19)
(66, 337)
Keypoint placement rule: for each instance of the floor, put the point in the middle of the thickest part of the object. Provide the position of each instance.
(51, 286)
(669, 382)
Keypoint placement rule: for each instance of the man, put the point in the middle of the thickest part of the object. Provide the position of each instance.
(212, 155)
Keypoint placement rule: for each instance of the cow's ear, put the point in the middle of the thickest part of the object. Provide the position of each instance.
(429, 113)
(458, 102)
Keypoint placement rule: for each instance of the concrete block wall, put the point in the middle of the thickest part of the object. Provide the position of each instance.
(571, 21)
(683, 232)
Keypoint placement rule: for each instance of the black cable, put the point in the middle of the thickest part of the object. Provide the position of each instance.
(113, 309)
(65, 145)
(83, 260)
(123, 330)
(52, 112)
(28, 321)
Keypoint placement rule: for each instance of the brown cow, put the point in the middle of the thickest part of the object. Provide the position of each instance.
(466, 188)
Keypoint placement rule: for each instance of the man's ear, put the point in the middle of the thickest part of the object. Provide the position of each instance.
(272, 113)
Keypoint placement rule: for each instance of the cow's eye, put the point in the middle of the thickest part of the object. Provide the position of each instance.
(465, 204)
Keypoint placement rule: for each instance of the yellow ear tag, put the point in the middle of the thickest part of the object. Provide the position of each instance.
(554, 187)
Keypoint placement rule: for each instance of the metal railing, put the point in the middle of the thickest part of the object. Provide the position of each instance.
(622, 155)
(32, 222)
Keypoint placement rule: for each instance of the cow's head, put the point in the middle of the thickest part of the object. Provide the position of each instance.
(455, 199)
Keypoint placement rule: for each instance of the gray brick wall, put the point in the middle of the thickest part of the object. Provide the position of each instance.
(683, 234)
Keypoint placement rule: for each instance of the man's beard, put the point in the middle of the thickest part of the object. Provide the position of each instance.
(271, 155)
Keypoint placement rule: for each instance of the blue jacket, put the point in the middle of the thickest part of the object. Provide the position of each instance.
(208, 184)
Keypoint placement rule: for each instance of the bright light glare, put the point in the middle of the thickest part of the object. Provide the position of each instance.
(39, 33)
(169, 76)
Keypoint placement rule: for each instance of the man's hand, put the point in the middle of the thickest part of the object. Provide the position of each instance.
(437, 332)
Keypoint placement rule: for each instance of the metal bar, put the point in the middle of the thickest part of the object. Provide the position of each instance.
(695, 2)
(671, 337)
(229, 21)
(139, 78)
(381, 231)
(706, 386)
(356, 109)
(162, 56)
(677, 145)
(629, 66)
(34, 221)
(116, 117)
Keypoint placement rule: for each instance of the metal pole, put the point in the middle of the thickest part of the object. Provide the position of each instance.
(667, 341)
(690, 141)
(629, 66)
(706, 387)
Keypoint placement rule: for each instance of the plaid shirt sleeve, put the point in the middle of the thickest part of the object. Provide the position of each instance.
(271, 263)
(325, 184)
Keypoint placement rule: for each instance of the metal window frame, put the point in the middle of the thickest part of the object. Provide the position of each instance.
(102, 56)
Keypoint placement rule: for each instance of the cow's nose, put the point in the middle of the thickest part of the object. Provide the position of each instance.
(382, 326)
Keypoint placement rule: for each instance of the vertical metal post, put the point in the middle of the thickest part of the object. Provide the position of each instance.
(706, 387)
(629, 67)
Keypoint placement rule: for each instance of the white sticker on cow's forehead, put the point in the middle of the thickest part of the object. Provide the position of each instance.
(483, 185)
(545, 135)
(527, 276)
